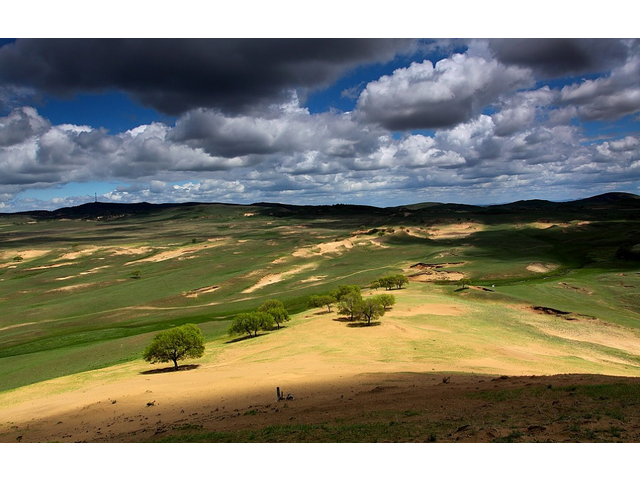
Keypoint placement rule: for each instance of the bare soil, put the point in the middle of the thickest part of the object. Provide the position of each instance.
(405, 407)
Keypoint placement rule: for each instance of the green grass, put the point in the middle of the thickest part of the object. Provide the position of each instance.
(320, 433)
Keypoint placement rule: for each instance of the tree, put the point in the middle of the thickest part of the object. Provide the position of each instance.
(400, 281)
(464, 281)
(135, 274)
(391, 281)
(372, 309)
(250, 323)
(351, 304)
(175, 344)
(276, 309)
(344, 290)
(385, 299)
(317, 301)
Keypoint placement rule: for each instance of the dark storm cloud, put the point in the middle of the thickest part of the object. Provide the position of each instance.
(176, 75)
(561, 56)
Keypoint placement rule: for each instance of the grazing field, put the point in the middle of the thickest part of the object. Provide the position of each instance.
(553, 305)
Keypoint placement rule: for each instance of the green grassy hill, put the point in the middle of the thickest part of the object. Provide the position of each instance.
(70, 300)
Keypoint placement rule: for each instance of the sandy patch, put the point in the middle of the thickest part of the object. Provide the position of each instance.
(541, 268)
(94, 270)
(70, 288)
(8, 256)
(457, 230)
(53, 265)
(433, 272)
(78, 253)
(25, 254)
(130, 250)
(324, 248)
(316, 278)
(200, 291)
(172, 253)
(437, 277)
(272, 278)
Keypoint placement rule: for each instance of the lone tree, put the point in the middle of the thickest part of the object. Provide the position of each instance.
(463, 282)
(276, 309)
(175, 344)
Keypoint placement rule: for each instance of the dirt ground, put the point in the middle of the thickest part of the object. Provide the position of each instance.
(413, 407)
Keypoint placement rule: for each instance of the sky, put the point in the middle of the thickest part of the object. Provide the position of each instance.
(316, 120)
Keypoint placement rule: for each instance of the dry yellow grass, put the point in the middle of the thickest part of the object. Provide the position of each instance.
(423, 333)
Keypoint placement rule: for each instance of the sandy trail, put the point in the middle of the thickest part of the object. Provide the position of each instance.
(272, 278)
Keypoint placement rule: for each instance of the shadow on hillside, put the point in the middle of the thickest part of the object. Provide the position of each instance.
(342, 319)
(362, 324)
(170, 369)
(247, 337)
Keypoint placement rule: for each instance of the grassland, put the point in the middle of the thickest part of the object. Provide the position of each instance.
(70, 302)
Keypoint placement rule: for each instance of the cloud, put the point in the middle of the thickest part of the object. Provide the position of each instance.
(554, 57)
(21, 124)
(606, 98)
(495, 129)
(287, 130)
(177, 75)
(424, 96)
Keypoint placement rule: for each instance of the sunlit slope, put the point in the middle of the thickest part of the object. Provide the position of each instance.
(70, 302)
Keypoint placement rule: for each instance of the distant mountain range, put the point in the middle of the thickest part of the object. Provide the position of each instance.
(97, 210)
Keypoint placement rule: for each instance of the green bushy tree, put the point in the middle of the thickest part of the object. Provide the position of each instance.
(385, 299)
(276, 309)
(250, 323)
(175, 344)
(351, 304)
(371, 309)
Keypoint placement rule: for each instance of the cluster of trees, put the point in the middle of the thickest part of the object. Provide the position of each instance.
(271, 313)
(390, 282)
(175, 344)
(350, 302)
